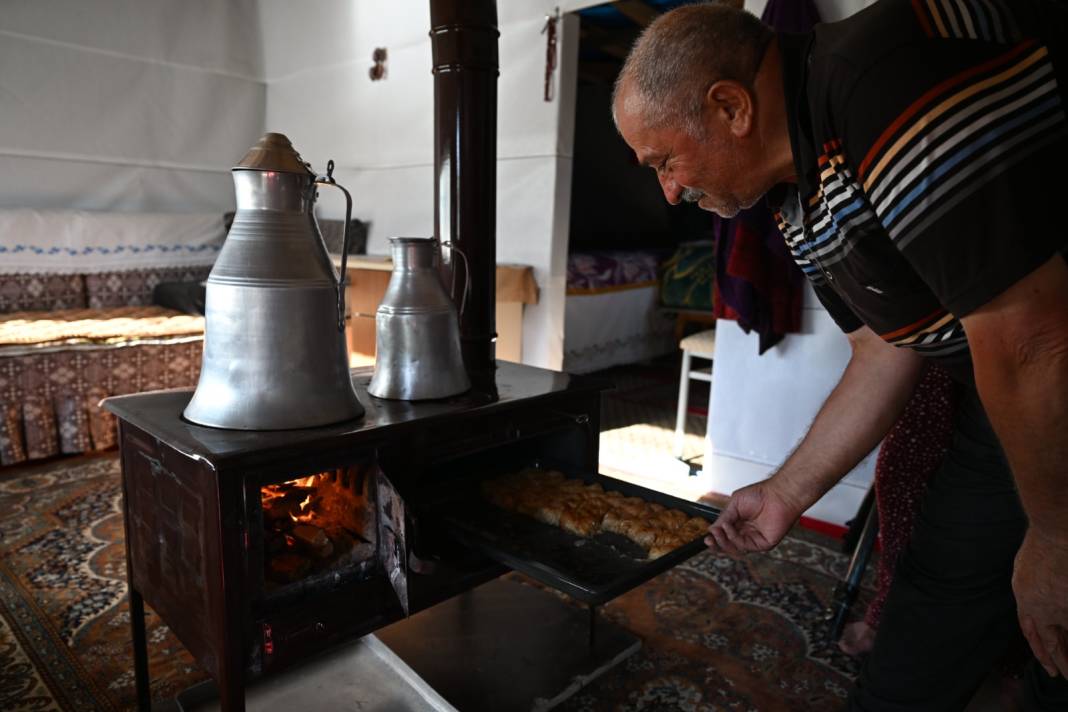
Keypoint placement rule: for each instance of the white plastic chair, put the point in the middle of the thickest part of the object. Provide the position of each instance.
(700, 345)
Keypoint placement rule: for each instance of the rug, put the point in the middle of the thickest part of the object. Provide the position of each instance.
(719, 633)
(746, 635)
(64, 621)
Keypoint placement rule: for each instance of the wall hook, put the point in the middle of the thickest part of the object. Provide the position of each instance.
(549, 30)
(378, 70)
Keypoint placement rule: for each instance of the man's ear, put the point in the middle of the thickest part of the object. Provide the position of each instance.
(731, 104)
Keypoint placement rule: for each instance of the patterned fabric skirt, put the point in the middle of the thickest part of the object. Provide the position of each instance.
(50, 401)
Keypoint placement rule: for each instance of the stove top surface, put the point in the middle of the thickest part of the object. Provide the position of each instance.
(160, 413)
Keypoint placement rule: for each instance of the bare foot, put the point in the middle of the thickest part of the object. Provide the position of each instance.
(857, 638)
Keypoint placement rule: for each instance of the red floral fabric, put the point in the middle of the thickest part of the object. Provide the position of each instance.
(910, 454)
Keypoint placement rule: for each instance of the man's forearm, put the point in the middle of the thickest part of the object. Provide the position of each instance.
(1026, 399)
(1019, 343)
(867, 401)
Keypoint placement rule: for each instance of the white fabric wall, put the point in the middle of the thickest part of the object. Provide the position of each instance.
(830, 10)
(127, 105)
(380, 134)
(762, 406)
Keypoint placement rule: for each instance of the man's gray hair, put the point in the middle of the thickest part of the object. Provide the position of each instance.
(681, 54)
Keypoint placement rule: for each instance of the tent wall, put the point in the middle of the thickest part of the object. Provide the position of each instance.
(127, 105)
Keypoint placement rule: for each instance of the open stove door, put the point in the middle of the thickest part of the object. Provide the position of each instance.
(392, 543)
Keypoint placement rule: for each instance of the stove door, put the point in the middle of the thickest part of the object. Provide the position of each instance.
(392, 544)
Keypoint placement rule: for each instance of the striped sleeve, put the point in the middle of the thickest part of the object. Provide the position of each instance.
(963, 161)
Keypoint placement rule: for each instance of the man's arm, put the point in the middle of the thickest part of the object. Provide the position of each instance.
(867, 401)
(1019, 344)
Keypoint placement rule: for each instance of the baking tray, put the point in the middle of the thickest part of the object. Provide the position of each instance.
(590, 569)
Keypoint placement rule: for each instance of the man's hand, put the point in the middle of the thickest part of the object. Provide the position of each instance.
(873, 391)
(1039, 580)
(756, 519)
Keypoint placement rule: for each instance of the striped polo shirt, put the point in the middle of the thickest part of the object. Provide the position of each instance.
(930, 141)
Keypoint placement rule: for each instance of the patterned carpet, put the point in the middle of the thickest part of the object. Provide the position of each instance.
(720, 634)
(64, 622)
(724, 634)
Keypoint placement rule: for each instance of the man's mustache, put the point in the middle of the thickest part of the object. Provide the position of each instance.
(691, 195)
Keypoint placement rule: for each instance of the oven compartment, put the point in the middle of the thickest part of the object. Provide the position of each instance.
(591, 569)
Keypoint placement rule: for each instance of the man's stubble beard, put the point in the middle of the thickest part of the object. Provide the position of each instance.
(691, 195)
(732, 207)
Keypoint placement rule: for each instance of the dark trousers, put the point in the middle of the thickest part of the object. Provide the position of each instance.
(951, 615)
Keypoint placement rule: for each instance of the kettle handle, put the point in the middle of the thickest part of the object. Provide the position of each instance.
(328, 179)
(467, 274)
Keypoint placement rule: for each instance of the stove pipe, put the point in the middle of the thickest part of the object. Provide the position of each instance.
(463, 35)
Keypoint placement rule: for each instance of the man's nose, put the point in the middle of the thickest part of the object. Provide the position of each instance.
(672, 190)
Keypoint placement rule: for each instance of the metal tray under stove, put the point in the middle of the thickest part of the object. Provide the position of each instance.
(590, 569)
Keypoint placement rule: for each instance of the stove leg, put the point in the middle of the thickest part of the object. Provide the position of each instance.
(231, 697)
(231, 681)
(593, 627)
(140, 646)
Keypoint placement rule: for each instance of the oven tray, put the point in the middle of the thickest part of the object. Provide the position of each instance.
(590, 569)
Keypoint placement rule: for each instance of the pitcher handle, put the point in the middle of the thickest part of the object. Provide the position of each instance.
(467, 273)
(328, 179)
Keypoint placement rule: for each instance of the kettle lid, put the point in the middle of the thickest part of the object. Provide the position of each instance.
(273, 152)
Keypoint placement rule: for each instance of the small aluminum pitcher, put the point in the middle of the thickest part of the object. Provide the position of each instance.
(275, 356)
(417, 327)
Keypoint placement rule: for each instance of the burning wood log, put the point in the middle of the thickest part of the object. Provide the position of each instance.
(315, 539)
(280, 509)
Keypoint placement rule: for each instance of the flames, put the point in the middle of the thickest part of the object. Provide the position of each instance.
(315, 522)
(286, 497)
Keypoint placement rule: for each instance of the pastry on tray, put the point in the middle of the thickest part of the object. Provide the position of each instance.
(586, 510)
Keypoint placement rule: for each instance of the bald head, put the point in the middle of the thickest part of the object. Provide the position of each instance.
(680, 55)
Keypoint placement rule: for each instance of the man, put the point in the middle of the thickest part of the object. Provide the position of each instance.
(912, 154)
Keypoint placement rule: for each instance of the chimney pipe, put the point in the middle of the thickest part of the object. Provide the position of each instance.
(463, 36)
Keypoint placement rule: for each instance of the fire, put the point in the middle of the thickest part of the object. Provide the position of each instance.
(314, 523)
(305, 515)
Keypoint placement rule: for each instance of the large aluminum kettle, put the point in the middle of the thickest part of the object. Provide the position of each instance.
(417, 329)
(275, 356)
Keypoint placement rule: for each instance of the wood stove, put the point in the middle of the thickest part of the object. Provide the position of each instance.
(249, 593)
